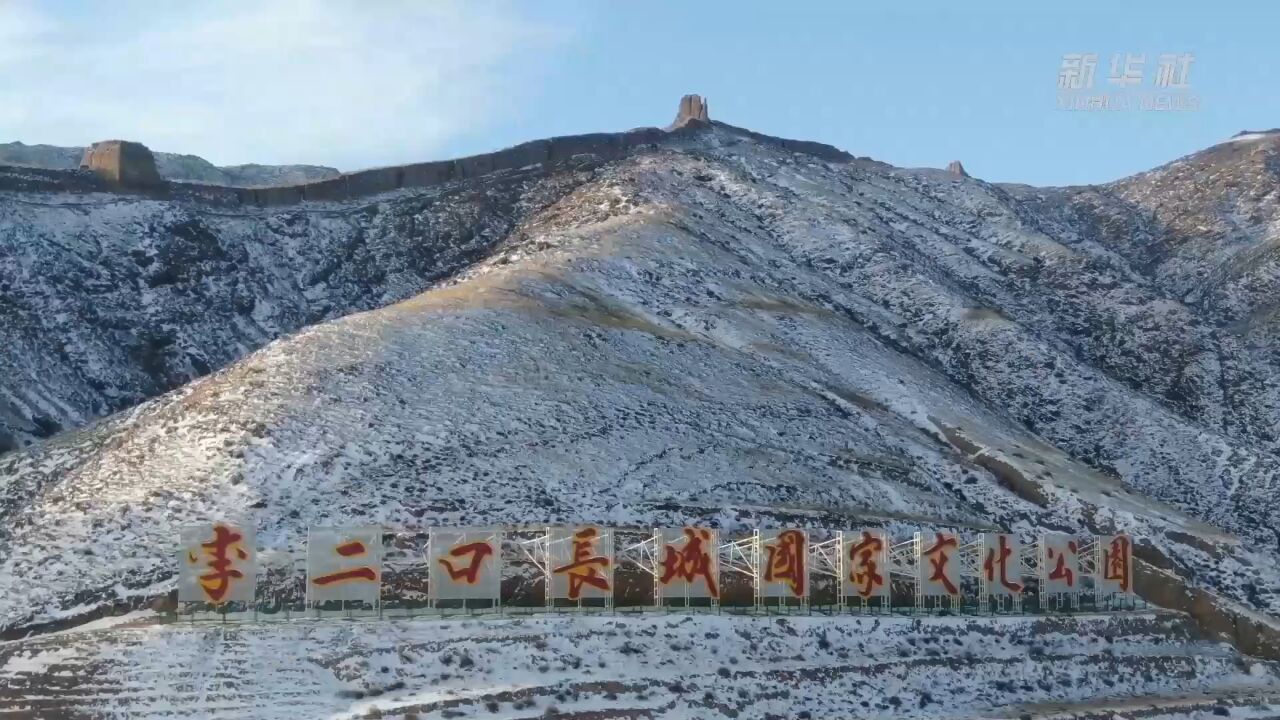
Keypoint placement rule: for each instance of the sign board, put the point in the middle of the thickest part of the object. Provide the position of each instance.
(1001, 564)
(937, 564)
(784, 567)
(217, 563)
(866, 563)
(1059, 564)
(344, 564)
(466, 564)
(1115, 569)
(581, 562)
(688, 562)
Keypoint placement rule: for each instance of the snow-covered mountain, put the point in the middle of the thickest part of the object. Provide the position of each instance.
(716, 327)
(111, 299)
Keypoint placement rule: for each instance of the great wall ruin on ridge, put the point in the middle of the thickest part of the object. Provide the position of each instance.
(119, 166)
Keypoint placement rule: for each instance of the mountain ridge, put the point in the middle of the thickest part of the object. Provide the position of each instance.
(370, 182)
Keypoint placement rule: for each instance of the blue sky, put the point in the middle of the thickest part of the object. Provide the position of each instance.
(914, 84)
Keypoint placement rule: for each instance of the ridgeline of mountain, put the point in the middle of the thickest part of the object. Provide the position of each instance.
(701, 325)
(176, 167)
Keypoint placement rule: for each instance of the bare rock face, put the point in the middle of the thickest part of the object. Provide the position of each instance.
(124, 163)
(693, 110)
(955, 168)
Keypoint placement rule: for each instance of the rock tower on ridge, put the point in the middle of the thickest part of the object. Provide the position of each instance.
(693, 111)
(123, 163)
(955, 168)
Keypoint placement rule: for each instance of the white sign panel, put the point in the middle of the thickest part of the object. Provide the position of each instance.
(866, 563)
(689, 562)
(1059, 564)
(217, 563)
(938, 563)
(784, 568)
(344, 564)
(1001, 565)
(1115, 569)
(581, 561)
(466, 564)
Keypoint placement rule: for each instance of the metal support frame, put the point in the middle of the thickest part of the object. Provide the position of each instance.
(969, 556)
(904, 562)
(1089, 563)
(826, 559)
(1031, 568)
(743, 556)
(1031, 559)
(537, 551)
(644, 555)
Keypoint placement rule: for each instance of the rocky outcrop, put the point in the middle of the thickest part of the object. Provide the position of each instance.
(122, 163)
(955, 168)
(693, 111)
(1216, 618)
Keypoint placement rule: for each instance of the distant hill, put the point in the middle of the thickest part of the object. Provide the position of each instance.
(183, 168)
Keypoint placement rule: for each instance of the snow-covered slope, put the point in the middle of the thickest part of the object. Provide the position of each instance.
(717, 329)
(714, 328)
(670, 667)
(110, 299)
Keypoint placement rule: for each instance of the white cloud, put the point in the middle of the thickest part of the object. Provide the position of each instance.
(350, 84)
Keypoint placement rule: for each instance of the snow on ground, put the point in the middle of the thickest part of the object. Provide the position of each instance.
(1250, 137)
(656, 666)
(111, 299)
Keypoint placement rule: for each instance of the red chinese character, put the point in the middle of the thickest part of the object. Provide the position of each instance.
(217, 583)
(998, 557)
(690, 562)
(938, 559)
(1115, 562)
(786, 561)
(1060, 569)
(865, 573)
(469, 574)
(364, 573)
(585, 567)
